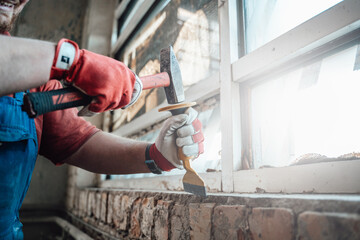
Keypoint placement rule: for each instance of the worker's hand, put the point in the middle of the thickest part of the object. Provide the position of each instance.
(109, 81)
(185, 131)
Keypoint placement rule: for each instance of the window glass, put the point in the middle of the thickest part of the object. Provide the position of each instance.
(191, 28)
(267, 19)
(308, 115)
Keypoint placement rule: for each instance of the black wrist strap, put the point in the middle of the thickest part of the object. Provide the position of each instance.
(151, 163)
(147, 152)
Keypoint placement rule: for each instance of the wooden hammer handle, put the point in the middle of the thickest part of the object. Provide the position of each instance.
(155, 81)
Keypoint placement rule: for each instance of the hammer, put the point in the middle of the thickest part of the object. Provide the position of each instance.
(39, 103)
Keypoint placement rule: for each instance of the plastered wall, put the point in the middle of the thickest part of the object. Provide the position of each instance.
(52, 20)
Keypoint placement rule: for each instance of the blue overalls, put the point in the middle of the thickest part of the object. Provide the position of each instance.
(18, 152)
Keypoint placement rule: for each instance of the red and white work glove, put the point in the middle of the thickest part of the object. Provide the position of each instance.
(110, 82)
(185, 131)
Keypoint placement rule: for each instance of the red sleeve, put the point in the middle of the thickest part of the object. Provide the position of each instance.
(63, 132)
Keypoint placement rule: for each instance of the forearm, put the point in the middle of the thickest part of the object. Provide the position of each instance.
(109, 154)
(25, 63)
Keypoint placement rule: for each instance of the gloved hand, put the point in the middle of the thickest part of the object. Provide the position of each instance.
(184, 130)
(138, 87)
(110, 82)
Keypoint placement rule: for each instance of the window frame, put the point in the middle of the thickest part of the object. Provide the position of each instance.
(238, 72)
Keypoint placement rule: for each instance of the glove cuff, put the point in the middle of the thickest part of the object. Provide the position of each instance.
(66, 57)
(154, 154)
(138, 86)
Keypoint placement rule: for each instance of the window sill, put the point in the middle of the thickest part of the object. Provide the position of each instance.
(326, 177)
(303, 180)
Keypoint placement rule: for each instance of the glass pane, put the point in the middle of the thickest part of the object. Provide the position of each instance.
(308, 114)
(267, 19)
(191, 27)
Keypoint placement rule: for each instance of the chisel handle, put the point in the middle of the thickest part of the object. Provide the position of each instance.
(185, 160)
(39, 103)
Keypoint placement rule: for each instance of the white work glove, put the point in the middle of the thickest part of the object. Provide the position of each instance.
(184, 131)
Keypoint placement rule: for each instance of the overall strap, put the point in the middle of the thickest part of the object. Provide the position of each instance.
(19, 96)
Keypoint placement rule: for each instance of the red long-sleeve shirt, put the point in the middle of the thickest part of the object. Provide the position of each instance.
(61, 133)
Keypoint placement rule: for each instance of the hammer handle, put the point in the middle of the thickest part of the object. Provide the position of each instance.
(155, 81)
(39, 103)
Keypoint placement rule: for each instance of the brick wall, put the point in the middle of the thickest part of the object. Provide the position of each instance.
(111, 214)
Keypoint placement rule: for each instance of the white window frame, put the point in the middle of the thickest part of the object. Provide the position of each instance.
(289, 49)
(334, 27)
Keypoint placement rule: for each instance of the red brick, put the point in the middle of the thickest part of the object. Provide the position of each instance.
(110, 208)
(200, 220)
(135, 219)
(122, 209)
(180, 227)
(161, 228)
(104, 197)
(271, 223)
(147, 212)
(97, 205)
(230, 222)
(82, 203)
(117, 211)
(91, 204)
(327, 226)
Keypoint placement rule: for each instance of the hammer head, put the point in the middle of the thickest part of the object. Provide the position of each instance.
(168, 63)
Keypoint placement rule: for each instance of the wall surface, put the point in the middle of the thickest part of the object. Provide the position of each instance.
(50, 20)
(116, 214)
(48, 186)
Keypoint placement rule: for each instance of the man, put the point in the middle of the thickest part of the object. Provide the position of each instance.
(62, 136)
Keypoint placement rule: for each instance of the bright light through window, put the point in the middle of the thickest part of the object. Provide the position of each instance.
(313, 111)
(209, 161)
(267, 19)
